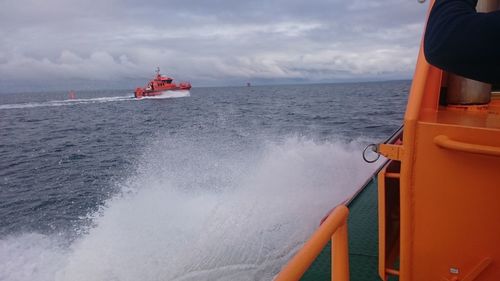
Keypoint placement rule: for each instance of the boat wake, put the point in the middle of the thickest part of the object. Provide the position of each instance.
(169, 94)
(68, 102)
(196, 211)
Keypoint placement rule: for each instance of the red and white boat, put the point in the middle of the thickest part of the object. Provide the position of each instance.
(163, 86)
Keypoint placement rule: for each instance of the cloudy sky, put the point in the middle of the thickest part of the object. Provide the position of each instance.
(111, 43)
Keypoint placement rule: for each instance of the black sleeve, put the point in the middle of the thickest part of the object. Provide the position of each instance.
(462, 41)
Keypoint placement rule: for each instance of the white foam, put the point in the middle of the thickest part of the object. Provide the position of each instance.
(31, 256)
(170, 94)
(64, 102)
(203, 213)
(69, 102)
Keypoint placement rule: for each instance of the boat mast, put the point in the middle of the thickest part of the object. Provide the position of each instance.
(158, 76)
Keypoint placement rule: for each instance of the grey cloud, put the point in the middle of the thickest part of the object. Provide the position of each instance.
(208, 42)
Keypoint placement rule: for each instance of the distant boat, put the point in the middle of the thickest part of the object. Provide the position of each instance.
(248, 84)
(71, 95)
(161, 86)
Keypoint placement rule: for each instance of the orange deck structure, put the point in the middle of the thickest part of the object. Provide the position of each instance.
(438, 193)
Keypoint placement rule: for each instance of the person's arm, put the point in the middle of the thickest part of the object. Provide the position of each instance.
(462, 41)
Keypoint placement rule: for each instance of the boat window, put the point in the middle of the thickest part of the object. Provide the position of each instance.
(169, 81)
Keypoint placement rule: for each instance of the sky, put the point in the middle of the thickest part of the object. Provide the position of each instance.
(61, 44)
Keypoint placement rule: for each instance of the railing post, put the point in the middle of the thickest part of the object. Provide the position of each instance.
(336, 223)
(340, 254)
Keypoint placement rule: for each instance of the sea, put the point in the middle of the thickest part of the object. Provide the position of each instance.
(224, 184)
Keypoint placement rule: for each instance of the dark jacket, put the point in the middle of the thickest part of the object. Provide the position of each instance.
(462, 41)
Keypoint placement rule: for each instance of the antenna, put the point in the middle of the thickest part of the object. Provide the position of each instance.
(158, 70)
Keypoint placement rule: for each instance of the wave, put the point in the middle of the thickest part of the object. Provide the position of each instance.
(196, 211)
(170, 94)
(69, 102)
(65, 102)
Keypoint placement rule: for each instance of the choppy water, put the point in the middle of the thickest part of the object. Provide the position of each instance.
(222, 185)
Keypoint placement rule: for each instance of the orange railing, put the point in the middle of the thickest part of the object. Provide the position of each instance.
(334, 228)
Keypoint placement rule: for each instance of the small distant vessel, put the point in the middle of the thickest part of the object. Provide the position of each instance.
(161, 86)
(71, 95)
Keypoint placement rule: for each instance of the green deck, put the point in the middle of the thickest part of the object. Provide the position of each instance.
(363, 240)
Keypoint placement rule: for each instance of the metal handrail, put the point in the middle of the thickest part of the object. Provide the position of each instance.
(445, 142)
(334, 228)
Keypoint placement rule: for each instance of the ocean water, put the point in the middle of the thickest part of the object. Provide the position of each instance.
(225, 184)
